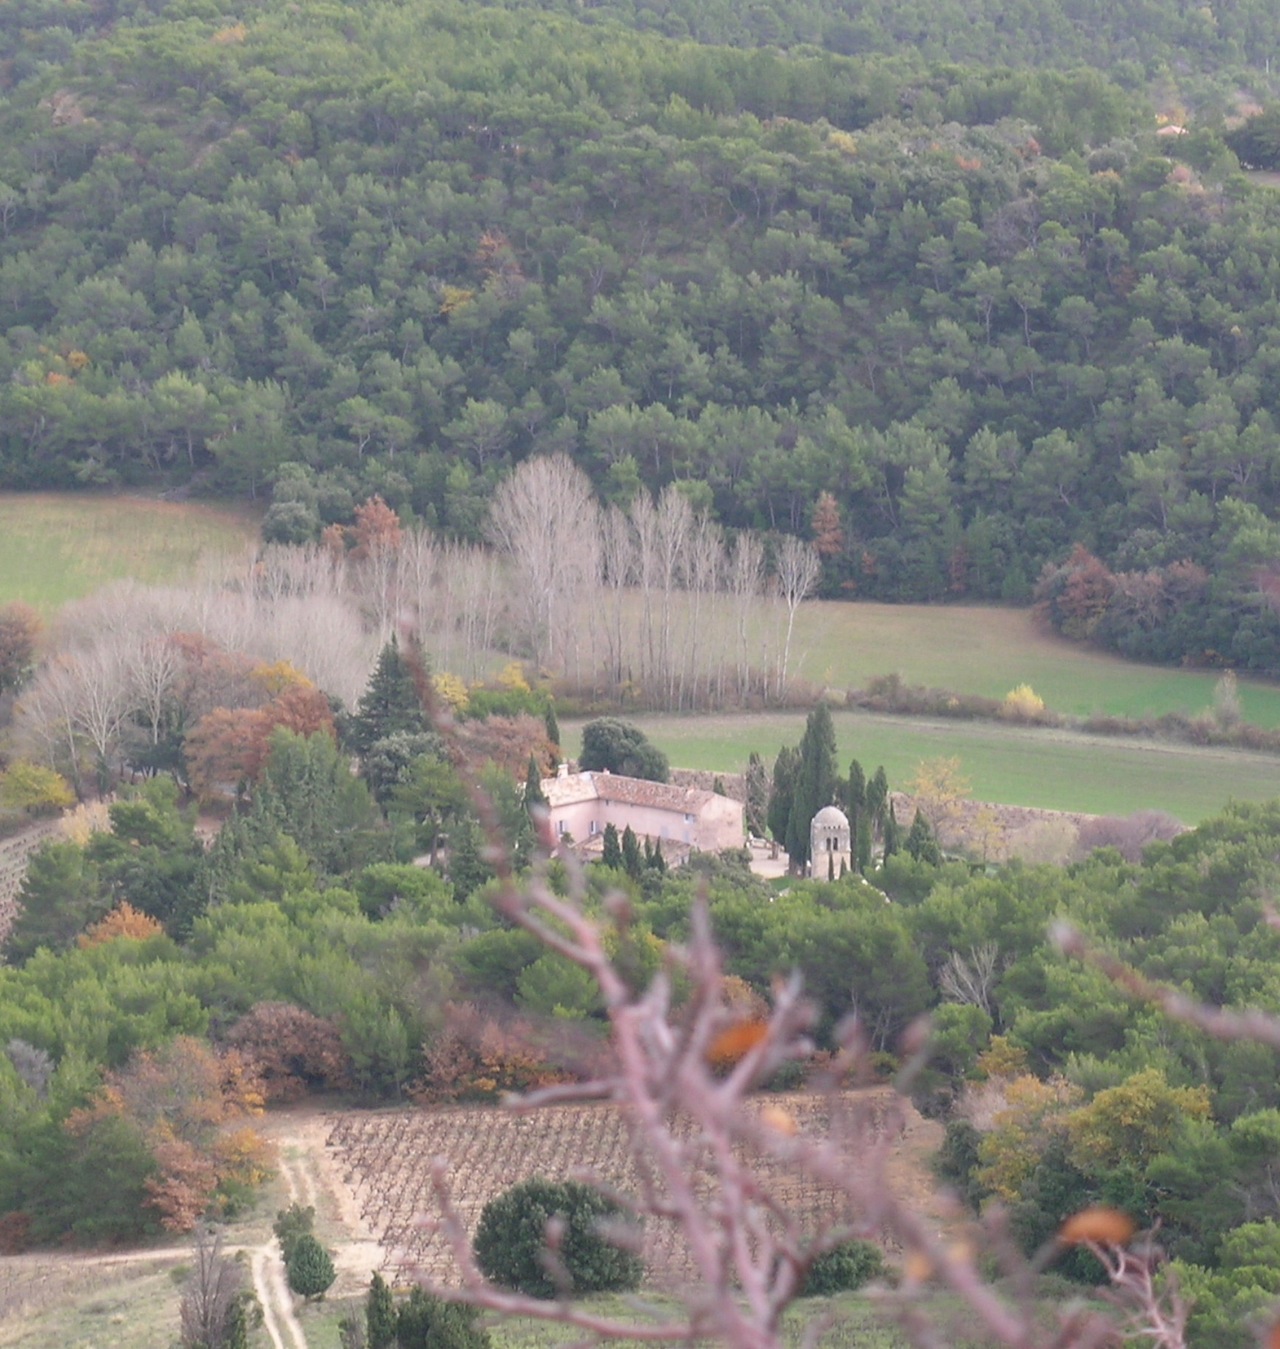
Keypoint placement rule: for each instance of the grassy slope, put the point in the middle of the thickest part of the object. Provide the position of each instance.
(1007, 764)
(57, 547)
(976, 649)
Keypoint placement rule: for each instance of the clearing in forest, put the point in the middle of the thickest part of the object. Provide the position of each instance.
(56, 547)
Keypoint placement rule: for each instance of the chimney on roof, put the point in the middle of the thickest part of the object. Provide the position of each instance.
(562, 770)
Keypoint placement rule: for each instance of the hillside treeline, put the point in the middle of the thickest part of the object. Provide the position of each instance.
(406, 247)
(1135, 40)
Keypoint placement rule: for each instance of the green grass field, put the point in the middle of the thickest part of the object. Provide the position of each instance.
(1007, 764)
(987, 650)
(57, 547)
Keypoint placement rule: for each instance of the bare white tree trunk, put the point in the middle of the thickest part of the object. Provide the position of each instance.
(798, 567)
(542, 517)
(746, 579)
(644, 520)
(706, 557)
(675, 520)
(618, 551)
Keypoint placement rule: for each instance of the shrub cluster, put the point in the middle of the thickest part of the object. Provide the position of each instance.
(511, 1240)
(844, 1268)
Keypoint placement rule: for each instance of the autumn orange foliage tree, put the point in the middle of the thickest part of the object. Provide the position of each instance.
(181, 1100)
(292, 1051)
(229, 746)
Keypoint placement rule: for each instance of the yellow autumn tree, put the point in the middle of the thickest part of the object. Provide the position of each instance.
(123, 923)
(1033, 1114)
(1134, 1121)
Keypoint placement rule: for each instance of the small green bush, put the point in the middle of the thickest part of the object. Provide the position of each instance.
(847, 1266)
(290, 1224)
(424, 1322)
(511, 1238)
(310, 1269)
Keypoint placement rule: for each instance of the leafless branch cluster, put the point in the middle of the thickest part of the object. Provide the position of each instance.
(210, 1296)
(682, 1076)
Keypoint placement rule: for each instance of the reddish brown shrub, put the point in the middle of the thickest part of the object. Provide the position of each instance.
(477, 1057)
(293, 1051)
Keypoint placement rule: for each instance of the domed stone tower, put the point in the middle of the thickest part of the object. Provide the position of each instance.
(830, 844)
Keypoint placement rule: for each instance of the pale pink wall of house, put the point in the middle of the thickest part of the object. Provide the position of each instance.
(716, 825)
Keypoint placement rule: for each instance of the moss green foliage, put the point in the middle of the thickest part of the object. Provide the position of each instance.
(512, 1236)
(425, 1322)
(309, 1267)
(618, 746)
(844, 1268)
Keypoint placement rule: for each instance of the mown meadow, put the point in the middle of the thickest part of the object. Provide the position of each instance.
(988, 650)
(56, 547)
(1013, 765)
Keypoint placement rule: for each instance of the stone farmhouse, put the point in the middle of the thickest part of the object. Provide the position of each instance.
(683, 819)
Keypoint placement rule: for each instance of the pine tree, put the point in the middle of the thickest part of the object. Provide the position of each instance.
(612, 854)
(921, 843)
(380, 1315)
(552, 725)
(655, 860)
(390, 703)
(310, 1271)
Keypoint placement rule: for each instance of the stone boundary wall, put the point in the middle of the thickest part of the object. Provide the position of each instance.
(15, 852)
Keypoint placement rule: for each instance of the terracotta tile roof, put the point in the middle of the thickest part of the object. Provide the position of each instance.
(630, 791)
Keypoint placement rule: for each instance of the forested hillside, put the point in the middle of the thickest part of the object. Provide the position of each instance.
(406, 245)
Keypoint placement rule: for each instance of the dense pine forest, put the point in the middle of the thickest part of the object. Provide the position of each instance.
(313, 254)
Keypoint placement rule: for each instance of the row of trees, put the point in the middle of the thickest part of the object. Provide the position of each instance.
(806, 778)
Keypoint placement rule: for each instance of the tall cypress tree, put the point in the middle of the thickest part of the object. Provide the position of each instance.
(785, 768)
(390, 702)
(552, 725)
(891, 840)
(855, 796)
(533, 793)
(631, 858)
(815, 781)
(611, 855)
(877, 800)
(380, 1315)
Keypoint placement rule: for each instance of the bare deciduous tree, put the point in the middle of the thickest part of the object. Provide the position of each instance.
(682, 1082)
(544, 518)
(211, 1295)
(971, 980)
(798, 566)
